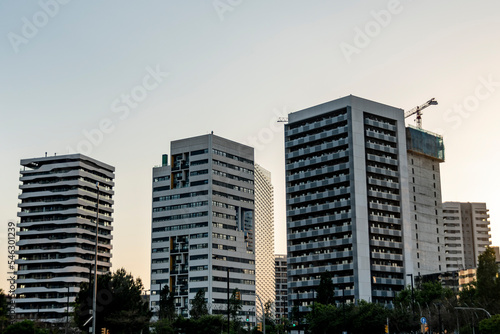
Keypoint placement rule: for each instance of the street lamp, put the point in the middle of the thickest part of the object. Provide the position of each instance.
(67, 310)
(412, 296)
(94, 301)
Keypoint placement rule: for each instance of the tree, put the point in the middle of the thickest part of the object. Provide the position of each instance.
(207, 324)
(4, 311)
(167, 305)
(488, 284)
(199, 306)
(326, 289)
(235, 306)
(270, 320)
(467, 296)
(369, 318)
(491, 325)
(326, 319)
(24, 327)
(120, 306)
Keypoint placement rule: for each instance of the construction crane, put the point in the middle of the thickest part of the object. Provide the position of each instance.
(418, 111)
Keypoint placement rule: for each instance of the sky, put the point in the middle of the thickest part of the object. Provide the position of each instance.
(118, 80)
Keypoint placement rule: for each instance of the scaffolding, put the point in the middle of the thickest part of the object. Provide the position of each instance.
(425, 142)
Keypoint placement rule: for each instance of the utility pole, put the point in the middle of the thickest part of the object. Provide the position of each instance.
(412, 295)
(67, 311)
(228, 311)
(94, 301)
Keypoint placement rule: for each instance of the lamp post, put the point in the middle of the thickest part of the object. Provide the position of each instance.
(263, 314)
(159, 304)
(412, 296)
(67, 311)
(94, 299)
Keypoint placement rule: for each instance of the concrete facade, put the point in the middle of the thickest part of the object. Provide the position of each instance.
(467, 233)
(203, 224)
(281, 286)
(264, 238)
(425, 203)
(56, 244)
(347, 201)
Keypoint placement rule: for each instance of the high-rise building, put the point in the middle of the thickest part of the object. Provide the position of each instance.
(203, 224)
(281, 287)
(56, 244)
(425, 153)
(264, 237)
(466, 233)
(347, 201)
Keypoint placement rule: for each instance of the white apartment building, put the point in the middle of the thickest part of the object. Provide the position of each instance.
(264, 238)
(467, 233)
(56, 246)
(281, 286)
(348, 208)
(203, 224)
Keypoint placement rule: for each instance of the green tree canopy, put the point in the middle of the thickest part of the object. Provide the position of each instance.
(120, 306)
(25, 327)
(488, 283)
(325, 290)
(199, 306)
(491, 325)
(4, 311)
(167, 304)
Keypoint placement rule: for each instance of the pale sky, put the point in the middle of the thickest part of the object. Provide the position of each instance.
(119, 80)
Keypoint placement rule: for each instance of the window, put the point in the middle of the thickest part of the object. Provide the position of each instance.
(199, 152)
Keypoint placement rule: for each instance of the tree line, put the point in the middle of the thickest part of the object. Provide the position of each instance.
(121, 308)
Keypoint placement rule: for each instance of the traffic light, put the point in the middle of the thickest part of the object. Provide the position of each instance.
(386, 330)
(103, 330)
(259, 326)
(295, 323)
(238, 295)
